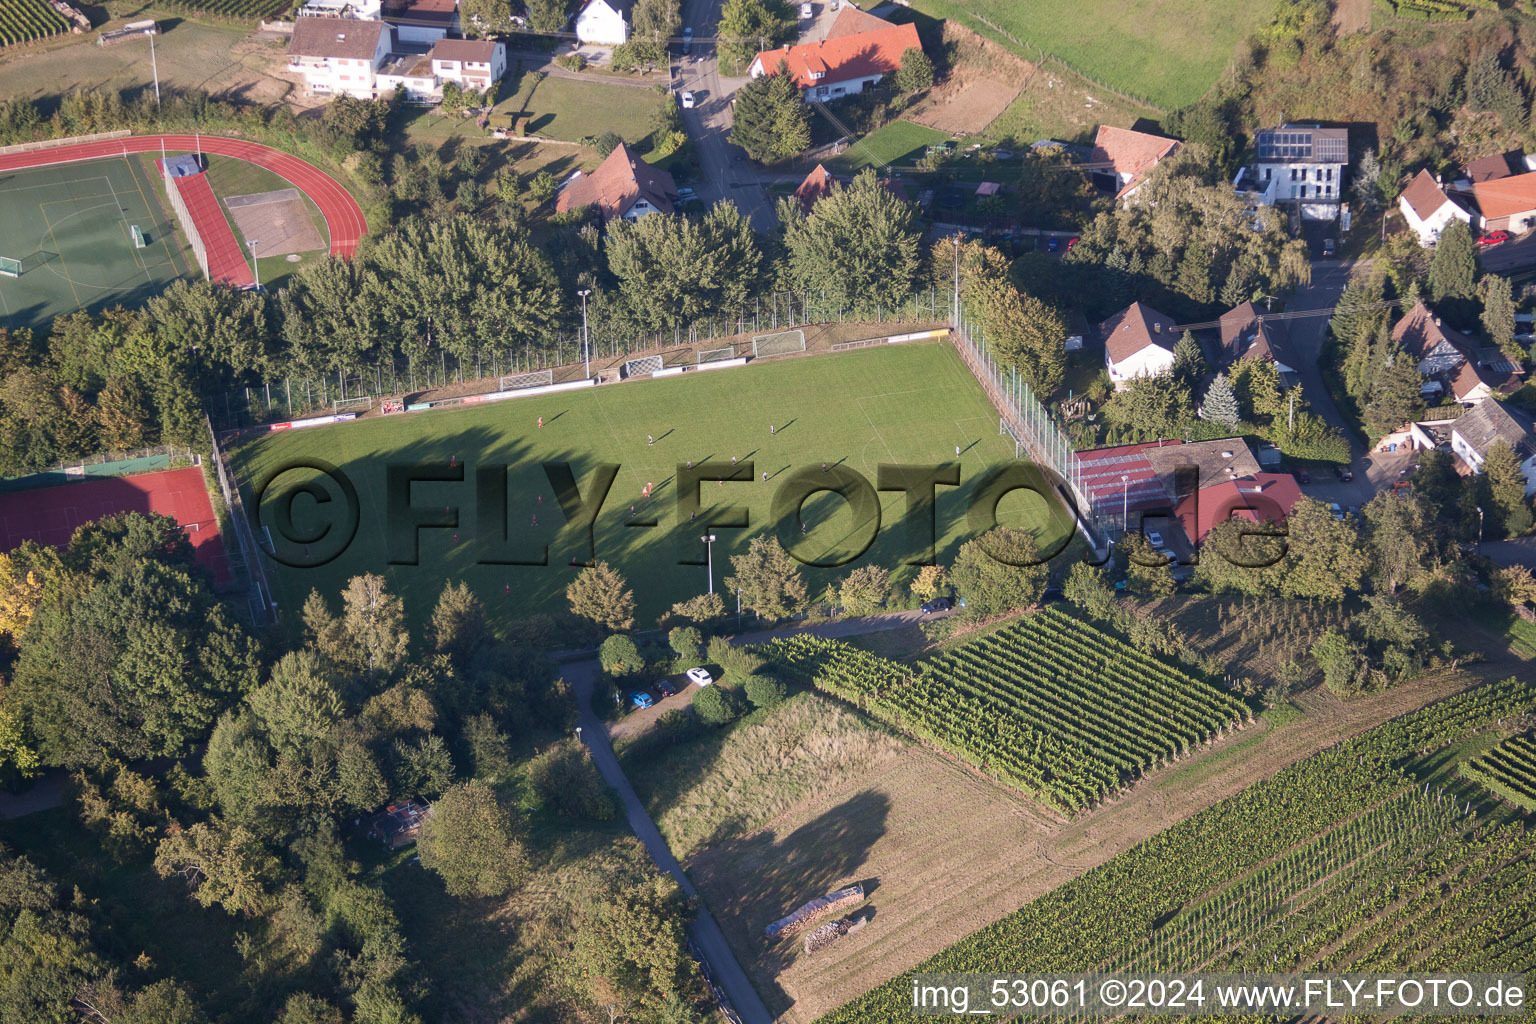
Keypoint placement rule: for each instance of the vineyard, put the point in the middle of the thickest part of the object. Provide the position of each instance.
(244, 10)
(22, 21)
(1050, 704)
(1508, 771)
(1436, 10)
(1339, 863)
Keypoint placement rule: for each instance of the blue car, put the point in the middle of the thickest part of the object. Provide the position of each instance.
(641, 699)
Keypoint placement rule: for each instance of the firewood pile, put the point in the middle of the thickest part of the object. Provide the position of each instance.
(813, 911)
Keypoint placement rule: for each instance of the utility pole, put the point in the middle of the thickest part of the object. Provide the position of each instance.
(255, 263)
(709, 561)
(586, 345)
(154, 65)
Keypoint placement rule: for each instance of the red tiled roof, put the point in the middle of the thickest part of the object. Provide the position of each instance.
(1134, 328)
(617, 184)
(844, 58)
(1502, 197)
(1124, 151)
(816, 184)
(1256, 498)
(1424, 195)
(1245, 334)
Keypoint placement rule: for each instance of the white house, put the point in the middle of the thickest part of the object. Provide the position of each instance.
(1138, 342)
(1428, 210)
(1491, 421)
(360, 10)
(473, 63)
(339, 56)
(1121, 158)
(623, 186)
(858, 51)
(422, 21)
(604, 22)
(1302, 164)
(411, 72)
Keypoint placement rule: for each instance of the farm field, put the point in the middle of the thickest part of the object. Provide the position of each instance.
(1050, 704)
(1508, 771)
(22, 21)
(1166, 52)
(245, 10)
(1341, 862)
(912, 403)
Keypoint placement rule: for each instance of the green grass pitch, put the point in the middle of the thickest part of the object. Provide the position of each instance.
(70, 224)
(896, 404)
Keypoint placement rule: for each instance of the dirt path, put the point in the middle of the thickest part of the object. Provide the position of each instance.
(949, 852)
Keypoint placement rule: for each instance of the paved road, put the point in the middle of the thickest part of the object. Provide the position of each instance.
(705, 932)
(1520, 551)
(1512, 257)
(1307, 335)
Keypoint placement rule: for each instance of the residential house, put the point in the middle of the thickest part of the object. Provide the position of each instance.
(1138, 342)
(851, 57)
(472, 63)
(1428, 210)
(339, 56)
(816, 184)
(422, 21)
(1508, 203)
(1121, 158)
(1258, 498)
(1247, 334)
(1488, 168)
(411, 72)
(604, 22)
(1488, 422)
(399, 824)
(1301, 164)
(1455, 366)
(361, 10)
(622, 186)
(1421, 334)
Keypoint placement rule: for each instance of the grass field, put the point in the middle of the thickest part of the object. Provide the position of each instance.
(900, 142)
(1167, 52)
(907, 404)
(560, 108)
(70, 224)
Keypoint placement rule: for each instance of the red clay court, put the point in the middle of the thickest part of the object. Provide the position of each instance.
(51, 515)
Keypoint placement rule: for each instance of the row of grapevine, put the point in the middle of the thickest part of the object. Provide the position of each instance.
(1339, 862)
(22, 21)
(245, 10)
(1437, 10)
(1508, 771)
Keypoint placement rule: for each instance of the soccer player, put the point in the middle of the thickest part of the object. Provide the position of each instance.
(541, 424)
(650, 439)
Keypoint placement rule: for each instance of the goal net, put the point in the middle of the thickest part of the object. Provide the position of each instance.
(362, 404)
(712, 355)
(781, 343)
(536, 378)
(643, 365)
(138, 237)
(10, 267)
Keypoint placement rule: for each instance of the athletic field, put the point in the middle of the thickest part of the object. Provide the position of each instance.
(71, 226)
(893, 404)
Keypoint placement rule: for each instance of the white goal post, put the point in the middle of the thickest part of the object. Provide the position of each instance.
(643, 365)
(778, 344)
(362, 404)
(714, 355)
(532, 379)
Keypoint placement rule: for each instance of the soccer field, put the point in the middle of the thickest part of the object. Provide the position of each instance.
(71, 226)
(908, 404)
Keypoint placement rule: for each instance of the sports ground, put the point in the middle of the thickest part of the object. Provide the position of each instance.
(50, 515)
(911, 404)
(71, 225)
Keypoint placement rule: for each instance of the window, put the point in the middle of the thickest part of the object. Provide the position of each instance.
(1330, 174)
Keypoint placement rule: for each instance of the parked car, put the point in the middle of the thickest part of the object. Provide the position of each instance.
(1344, 473)
(1494, 238)
(665, 688)
(686, 195)
(1071, 242)
(641, 699)
(1155, 538)
(1052, 244)
(1168, 554)
(687, 39)
(687, 100)
(938, 604)
(700, 676)
(1327, 248)
(1303, 477)
(807, 11)
(1338, 513)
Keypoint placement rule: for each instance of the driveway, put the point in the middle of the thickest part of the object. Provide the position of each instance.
(1512, 257)
(1307, 335)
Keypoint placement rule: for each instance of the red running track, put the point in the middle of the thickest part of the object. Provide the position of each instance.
(226, 263)
(343, 217)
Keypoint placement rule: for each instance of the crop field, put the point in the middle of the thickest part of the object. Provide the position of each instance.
(1049, 704)
(911, 404)
(22, 21)
(1508, 771)
(1167, 52)
(1342, 862)
(248, 10)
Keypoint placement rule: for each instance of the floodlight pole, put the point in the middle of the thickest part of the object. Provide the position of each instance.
(1125, 506)
(709, 559)
(586, 343)
(255, 264)
(155, 66)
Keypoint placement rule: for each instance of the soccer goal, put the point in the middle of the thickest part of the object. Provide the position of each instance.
(518, 381)
(714, 355)
(778, 344)
(10, 266)
(643, 365)
(363, 404)
(138, 237)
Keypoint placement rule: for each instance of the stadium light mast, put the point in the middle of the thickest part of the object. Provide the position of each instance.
(1125, 504)
(255, 263)
(154, 66)
(586, 344)
(709, 559)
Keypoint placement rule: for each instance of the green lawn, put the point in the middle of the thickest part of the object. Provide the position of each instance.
(1167, 52)
(560, 108)
(907, 404)
(900, 142)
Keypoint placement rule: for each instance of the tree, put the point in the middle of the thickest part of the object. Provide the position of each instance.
(123, 414)
(224, 865)
(1396, 398)
(1344, 665)
(701, 610)
(548, 15)
(1220, 405)
(1147, 573)
(565, 780)
(1399, 528)
(470, 840)
(1454, 264)
(859, 244)
(675, 270)
(999, 571)
(769, 117)
(1326, 559)
(768, 578)
(631, 947)
(717, 705)
(458, 623)
(748, 27)
(1499, 315)
(1514, 585)
(493, 17)
(1023, 331)
(486, 746)
(1506, 490)
(915, 72)
(1366, 180)
(1088, 588)
(600, 595)
(655, 21)
(865, 590)
(927, 583)
(1188, 360)
(619, 656)
(764, 691)
(304, 1008)
(1151, 407)
(686, 642)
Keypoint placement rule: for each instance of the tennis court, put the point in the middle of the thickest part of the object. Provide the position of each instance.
(71, 226)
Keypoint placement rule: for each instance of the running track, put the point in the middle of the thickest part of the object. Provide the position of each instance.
(343, 217)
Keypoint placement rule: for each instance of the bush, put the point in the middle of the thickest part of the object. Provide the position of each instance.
(607, 142)
(687, 643)
(619, 656)
(572, 61)
(717, 705)
(736, 661)
(565, 780)
(765, 691)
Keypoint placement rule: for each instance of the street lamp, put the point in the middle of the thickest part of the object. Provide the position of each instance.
(709, 559)
(586, 346)
(738, 609)
(1125, 502)
(255, 264)
(1479, 527)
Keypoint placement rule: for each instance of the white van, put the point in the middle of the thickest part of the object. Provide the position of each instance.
(806, 11)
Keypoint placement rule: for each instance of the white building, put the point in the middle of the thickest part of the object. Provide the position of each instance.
(359, 10)
(422, 21)
(1138, 342)
(858, 51)
(1428, 210)
(604, 22)
(1301, 164)
(339, 56)
(1121, 158)
(1489, 422)
(473, 63)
